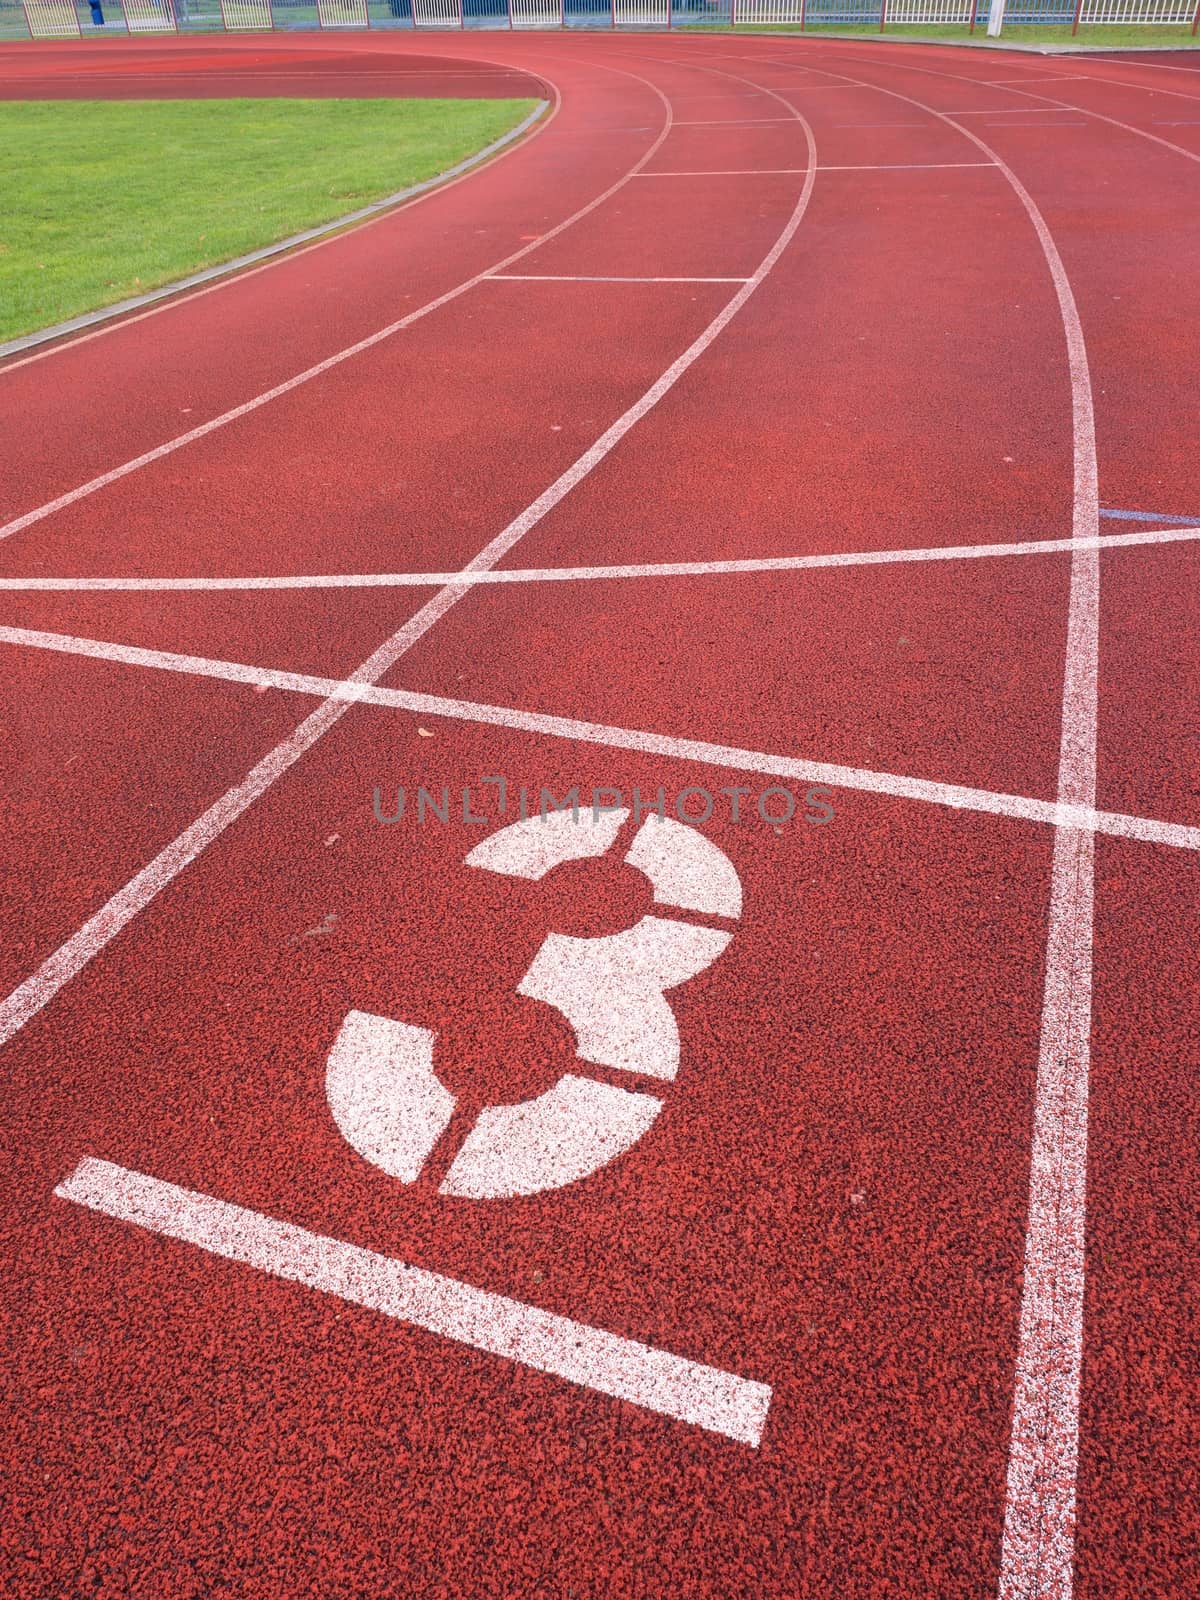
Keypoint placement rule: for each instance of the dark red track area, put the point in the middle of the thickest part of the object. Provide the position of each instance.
(834, 1199)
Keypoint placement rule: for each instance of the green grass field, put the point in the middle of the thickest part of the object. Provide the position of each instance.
(104, 200)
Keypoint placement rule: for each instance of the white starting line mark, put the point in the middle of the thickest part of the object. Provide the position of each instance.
(654, 1379)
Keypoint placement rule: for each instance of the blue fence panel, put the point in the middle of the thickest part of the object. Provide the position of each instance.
(485, 13)
(390, 13)
(587, 14)
(695, 13)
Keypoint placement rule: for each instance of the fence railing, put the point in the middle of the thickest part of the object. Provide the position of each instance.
(59, 19)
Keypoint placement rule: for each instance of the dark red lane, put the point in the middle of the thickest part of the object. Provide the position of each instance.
(868, 1144)
(1150, 683)
(92, 790)
(719, 229)
(1139, 1531)
(329, 632)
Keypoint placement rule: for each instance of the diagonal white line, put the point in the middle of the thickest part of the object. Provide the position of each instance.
(869, 781)
(652, 569)
(673, 1386)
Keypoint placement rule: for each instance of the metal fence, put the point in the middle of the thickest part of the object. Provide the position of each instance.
(59, 19)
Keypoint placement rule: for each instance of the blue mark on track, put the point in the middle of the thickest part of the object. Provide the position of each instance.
(1152, 516)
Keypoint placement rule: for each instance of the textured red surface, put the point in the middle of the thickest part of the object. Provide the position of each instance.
(833, 1200)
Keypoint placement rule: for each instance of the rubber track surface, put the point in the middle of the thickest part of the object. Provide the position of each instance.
(835, 1200)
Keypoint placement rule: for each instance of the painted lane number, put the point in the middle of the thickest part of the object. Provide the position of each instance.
(389, 1103)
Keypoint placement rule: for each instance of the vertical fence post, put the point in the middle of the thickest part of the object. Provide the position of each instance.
(1196, 19)
(882, 15)
(996, 19)
(1075, 21)
(733, 13)
(974, 13)
(803, 13)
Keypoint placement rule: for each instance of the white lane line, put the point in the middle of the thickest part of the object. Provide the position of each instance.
(654, 569)
(1038, 1547)
(673, 1386)
(957, 797)
(1037, 1551)
(907, 166)
(1143, 65)
(115, 474)
(583, 277)
(1124, 83)
(29, 997)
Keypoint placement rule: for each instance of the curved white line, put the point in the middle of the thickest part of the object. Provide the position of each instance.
(1038, 1544)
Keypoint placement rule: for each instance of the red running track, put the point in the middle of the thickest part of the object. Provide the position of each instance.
(925, 1185)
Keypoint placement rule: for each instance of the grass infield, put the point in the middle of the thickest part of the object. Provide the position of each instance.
(107, 199)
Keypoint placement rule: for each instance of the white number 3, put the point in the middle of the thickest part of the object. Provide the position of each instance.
(388, 1102)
